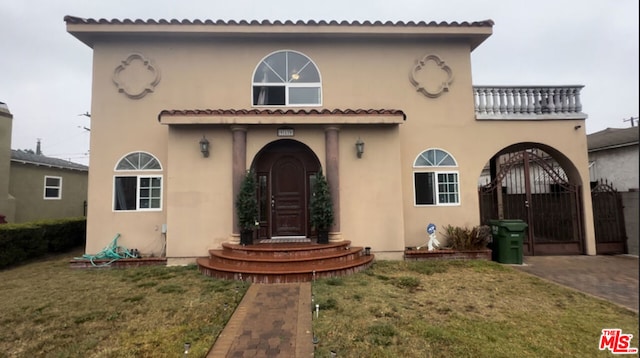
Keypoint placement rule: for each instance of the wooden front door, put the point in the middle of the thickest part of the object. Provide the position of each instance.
(285, 170)
(288, 204)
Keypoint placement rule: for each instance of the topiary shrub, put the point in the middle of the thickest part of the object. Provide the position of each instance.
(247, 208)
(321, 208)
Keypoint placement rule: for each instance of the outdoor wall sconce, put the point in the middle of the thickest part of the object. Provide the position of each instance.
(204, 147)
(359, 147)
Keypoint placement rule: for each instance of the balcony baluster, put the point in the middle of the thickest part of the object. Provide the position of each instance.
(528, 103)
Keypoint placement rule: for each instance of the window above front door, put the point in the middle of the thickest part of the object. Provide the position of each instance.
(286, 78)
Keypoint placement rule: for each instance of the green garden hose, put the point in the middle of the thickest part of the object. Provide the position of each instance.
(113, 252)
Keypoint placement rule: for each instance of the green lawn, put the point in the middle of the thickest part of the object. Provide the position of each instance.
(460, 309)
(394, 309)
(51, 310)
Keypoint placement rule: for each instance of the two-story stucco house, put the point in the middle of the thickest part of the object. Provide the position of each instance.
(287, 99)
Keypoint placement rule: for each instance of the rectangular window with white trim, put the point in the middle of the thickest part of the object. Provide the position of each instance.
(137, 193)
(435, 181)
(52, 188)
(436, 188)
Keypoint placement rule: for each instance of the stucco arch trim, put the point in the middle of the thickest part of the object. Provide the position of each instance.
(138, 161)
(301, 147)
(566, 163)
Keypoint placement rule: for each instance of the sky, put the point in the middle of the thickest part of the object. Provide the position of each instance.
(46, 72)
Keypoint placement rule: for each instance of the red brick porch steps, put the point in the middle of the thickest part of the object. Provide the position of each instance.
(284, 262)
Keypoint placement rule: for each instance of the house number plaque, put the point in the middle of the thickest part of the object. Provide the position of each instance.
(285, 132)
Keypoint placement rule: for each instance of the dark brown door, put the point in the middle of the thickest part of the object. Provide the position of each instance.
(288, 197)
(285, 168)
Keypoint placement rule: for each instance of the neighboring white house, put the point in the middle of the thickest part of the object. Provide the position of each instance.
(613, 155)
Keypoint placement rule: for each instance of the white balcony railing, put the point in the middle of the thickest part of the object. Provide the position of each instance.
(531, 102)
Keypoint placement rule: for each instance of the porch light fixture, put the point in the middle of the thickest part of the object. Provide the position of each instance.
(359, 147)
(204, 146)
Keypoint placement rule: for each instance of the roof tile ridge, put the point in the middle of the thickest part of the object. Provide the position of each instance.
(389, 23)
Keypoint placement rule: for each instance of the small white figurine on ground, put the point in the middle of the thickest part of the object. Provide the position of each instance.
(433, 243)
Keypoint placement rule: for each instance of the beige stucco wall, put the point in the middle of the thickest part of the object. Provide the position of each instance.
(200, 204)
(7, 205)
(210, 74)
(27, 186)
(199, 200)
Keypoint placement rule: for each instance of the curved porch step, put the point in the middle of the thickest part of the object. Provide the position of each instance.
(286, 249)
(276, 273)
(232, 257)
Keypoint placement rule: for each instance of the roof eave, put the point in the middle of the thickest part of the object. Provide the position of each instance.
(91, 31)
(280, 117)
(22, 161)
(612, 146)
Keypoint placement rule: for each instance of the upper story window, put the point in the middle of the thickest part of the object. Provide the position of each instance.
(52, 188)
(137, 191)
(435, 183)
(286, 78)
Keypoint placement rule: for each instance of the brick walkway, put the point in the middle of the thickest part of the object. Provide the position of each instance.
(613, 278)
(272, 320)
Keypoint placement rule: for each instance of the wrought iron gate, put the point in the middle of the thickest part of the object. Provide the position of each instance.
(608, 219)
(530, 185)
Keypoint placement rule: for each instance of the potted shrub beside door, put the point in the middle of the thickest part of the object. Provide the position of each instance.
(321, 208)
(247, 208)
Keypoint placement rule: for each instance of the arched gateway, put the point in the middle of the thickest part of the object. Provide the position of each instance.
(285, 172)
(530, 182)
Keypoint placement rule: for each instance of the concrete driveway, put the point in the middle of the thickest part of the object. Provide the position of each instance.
(613, 278)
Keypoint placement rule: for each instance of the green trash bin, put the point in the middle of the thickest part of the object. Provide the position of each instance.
(508, 237)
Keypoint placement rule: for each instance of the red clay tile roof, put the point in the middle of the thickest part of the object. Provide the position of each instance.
(282, 112)
(78, 20)
(90, 31)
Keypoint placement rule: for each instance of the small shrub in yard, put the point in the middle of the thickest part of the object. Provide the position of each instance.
(462, 238)
(335, 281)
(328, 304)
(382, 334)
(407, 282)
